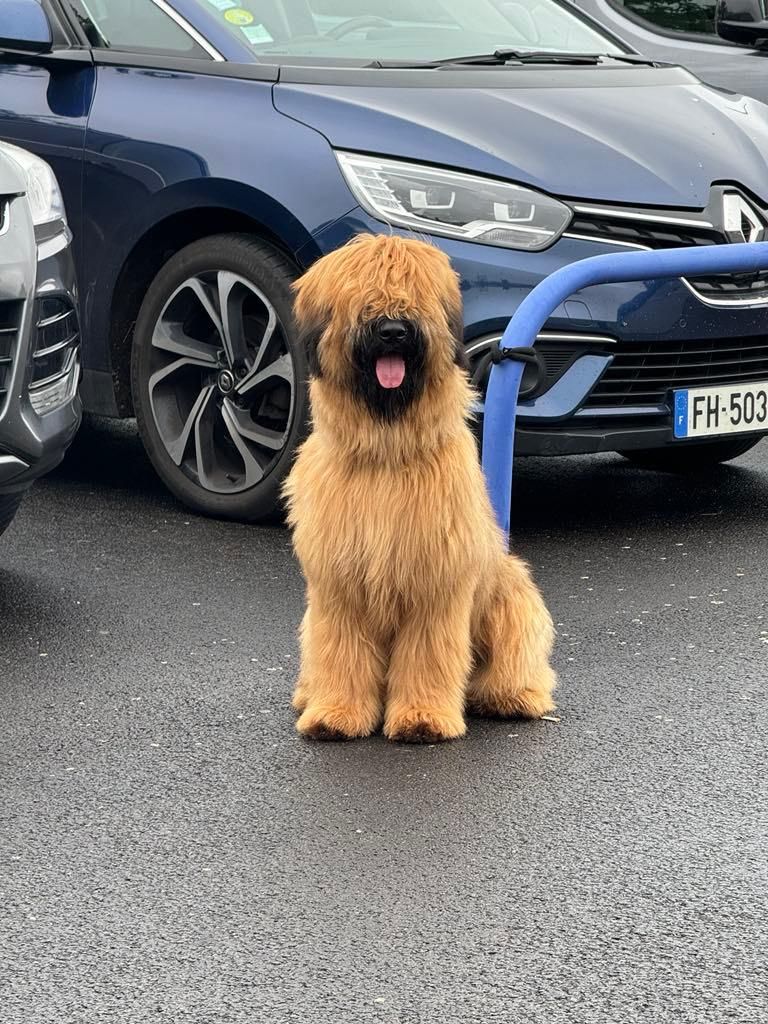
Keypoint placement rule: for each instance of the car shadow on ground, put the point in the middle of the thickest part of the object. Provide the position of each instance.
(551, 496)
(606, 492)
(28, 605)
(108, 453)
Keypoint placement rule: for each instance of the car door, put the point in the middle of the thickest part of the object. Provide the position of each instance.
(45, 100)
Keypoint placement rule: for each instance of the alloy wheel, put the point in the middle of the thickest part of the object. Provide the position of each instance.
(222, 384)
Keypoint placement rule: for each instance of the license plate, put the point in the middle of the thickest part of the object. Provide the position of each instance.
(732, 409)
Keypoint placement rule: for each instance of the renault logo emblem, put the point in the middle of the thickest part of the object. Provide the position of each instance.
(741, 222)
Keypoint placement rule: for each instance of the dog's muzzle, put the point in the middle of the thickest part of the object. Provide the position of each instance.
(390, 365)
(388, 356)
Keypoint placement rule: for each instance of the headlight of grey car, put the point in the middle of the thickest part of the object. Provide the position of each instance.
(43, 192)
(453, 204)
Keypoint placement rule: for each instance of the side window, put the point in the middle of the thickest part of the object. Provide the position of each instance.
(138, 26)
(677, 15)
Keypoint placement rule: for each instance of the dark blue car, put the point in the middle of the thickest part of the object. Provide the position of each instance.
(210, 150)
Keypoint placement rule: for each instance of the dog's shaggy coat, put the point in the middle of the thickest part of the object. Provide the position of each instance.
(415, 611)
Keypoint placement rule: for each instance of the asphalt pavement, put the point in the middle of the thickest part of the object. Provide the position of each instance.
(171, 851)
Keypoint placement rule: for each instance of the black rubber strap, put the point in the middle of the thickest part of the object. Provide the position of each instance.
(496, 354)
(523, 355)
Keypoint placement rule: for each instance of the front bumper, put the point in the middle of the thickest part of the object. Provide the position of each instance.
(39, 349)
(584, 438)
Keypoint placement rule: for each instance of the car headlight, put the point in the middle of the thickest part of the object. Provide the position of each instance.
(456, 205)
(43, 191)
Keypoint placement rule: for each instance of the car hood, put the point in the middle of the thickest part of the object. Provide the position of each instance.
(653, 136)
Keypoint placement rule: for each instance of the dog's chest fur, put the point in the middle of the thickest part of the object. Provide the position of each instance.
(387, 535)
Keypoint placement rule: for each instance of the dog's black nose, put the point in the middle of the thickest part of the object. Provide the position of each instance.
(392, 330)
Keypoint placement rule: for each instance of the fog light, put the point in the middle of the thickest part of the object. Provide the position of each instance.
(50, 395)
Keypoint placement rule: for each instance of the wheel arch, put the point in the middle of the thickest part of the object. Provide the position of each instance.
(191, 217)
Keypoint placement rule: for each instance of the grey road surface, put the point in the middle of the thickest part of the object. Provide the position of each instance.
(171, 851)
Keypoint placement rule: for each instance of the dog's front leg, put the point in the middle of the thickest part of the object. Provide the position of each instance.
(339, 689)
(428, 672)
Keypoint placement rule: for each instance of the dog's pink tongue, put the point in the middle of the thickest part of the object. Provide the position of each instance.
(390, 371)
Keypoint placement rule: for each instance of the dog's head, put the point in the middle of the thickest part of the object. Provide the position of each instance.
(381, 317)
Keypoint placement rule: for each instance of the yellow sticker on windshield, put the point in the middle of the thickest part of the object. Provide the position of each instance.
(238, 16)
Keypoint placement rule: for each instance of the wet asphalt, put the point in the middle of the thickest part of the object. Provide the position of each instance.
(171, 851)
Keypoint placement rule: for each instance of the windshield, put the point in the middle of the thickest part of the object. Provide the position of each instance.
(408, 30)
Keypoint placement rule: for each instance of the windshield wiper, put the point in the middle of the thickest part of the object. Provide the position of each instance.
(502, 56)
(506, 56)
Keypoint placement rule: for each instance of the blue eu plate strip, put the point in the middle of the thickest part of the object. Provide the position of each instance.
(681, 414)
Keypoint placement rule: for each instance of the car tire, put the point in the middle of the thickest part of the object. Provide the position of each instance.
(9, 504)
(690, 458)
(221, 400)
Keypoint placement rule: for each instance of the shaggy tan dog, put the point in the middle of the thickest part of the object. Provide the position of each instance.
(414, 608)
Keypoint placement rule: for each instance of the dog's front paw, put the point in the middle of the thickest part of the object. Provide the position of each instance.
(335, 723)
(423, 725)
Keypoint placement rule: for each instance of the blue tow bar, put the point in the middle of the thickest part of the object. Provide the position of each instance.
(538, 306)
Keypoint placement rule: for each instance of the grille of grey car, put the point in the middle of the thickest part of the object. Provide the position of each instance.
(10, 318)
(56, 340)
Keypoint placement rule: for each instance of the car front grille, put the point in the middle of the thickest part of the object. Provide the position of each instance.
(643, 373)
(649, 235)
(732, 289)
(10, 319)
(57, 338)
(665, 229)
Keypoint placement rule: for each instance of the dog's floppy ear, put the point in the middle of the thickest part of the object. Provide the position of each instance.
(309, 334)
(309, 320)
(455, 316)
